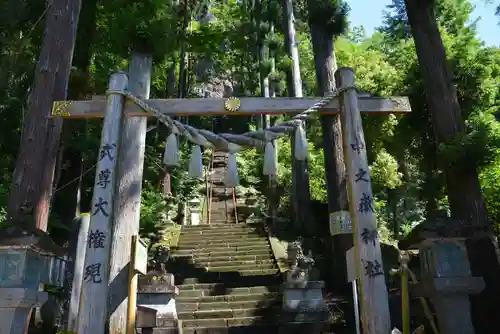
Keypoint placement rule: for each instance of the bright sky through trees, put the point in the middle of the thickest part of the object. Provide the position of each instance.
(369, 14)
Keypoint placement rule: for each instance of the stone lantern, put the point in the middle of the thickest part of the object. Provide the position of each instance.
(28, 258)
(445, 271)
(194, 209)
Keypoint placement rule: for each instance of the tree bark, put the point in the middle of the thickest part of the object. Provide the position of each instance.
(301, 196)
(464, 192)
(65, 200)
(335, 171)
(182, 89)
(31, 189)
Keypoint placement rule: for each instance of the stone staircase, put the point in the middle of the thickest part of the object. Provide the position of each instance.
(228, 280)
(222, 208)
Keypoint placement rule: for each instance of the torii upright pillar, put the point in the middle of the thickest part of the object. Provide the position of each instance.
(375, 316)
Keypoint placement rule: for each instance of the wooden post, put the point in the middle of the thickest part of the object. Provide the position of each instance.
(374, 302)
(78, 265)
(92, 314)
(132, 287)
(127, 207)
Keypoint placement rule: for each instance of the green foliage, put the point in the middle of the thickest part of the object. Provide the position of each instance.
(384, 171)
(144, 26)
(331, 14)
(155, 208)
(401, 150)
(478, 146)
(490, 184)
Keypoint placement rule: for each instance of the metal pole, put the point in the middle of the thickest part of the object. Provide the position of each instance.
(356, 305)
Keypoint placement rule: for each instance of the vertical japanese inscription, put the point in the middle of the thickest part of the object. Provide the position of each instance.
(357, 145)
(365, 204)
(96, 239)
(369, 236)
(372, 268)
(107, 151)
(93, 273)
(362, 175)
(104, 178)
(100, 207)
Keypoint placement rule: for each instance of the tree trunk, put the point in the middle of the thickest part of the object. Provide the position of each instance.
(31, 189)
(335, 171)
(65, 199)
(464, 192)
(301, 195)
(182, 61)
(295, 88)
(169, 93)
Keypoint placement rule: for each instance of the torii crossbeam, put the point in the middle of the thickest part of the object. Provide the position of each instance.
(96, 107)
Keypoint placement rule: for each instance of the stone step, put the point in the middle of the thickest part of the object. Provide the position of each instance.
(219, 291)
(241, 267)
(251, 297)
(232, 263)
(222, 237)
(229, 322)
(228, 234)
(183, 253)
(222, 243)
(230, 278)
(242, 272)
(225, 266)
(219, 233)
(183, 307)
(223, 258)
(227, 313)
(251, 329)
(217, 272)
(229, 285)
(230, 248)
(162, 330)
(216, 226)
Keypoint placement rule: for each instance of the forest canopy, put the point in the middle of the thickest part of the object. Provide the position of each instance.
(219, 41)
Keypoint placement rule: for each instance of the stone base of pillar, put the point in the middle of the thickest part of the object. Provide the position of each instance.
(304, 309)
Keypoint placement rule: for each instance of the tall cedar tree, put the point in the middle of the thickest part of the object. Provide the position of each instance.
(31, 189)
(464, 192)
(327, 20)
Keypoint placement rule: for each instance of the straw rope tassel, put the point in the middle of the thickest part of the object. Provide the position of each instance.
(231, 178)
(171, 156)
(269, 167)
(300, 149)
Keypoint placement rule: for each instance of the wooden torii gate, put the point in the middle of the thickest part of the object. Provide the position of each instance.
(373, 291)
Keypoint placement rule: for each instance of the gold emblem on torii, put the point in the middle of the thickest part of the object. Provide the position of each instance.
(232, 104)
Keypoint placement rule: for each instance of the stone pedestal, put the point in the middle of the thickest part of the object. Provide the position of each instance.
(303, 306)
(156, 300)
(445, 273)
(447, 281)
(27, 259)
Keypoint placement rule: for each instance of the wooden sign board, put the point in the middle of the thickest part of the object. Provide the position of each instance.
(141, 256)
(351, 265)
(340, 223)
